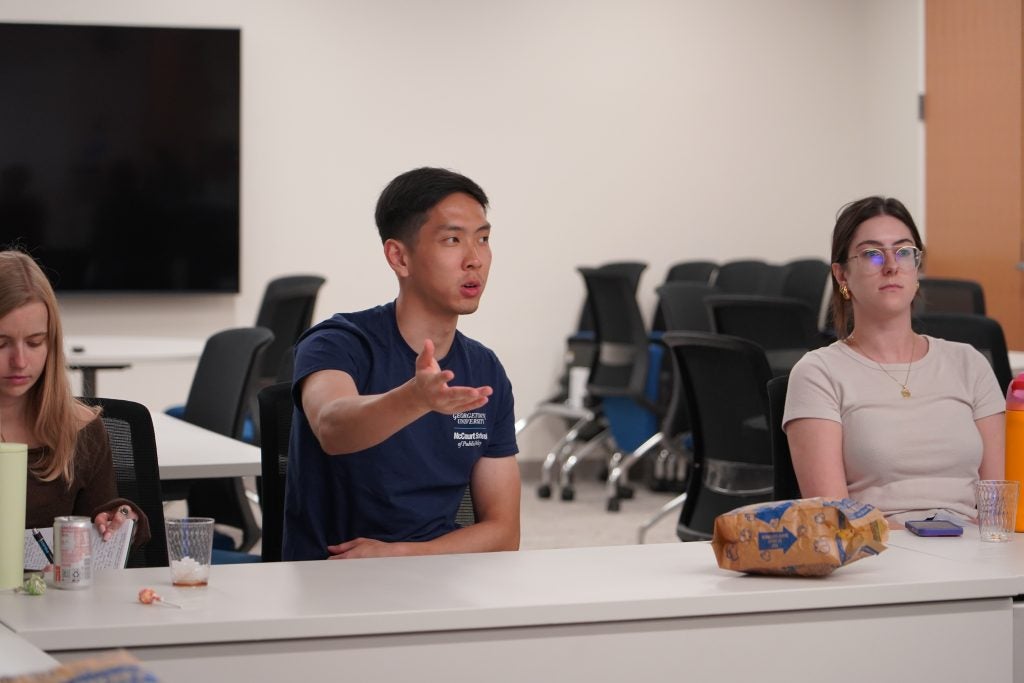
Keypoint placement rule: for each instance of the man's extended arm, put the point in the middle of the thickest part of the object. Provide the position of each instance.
(343, 421)
(496, 491)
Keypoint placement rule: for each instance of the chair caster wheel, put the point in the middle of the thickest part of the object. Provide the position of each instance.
(613, 505)
(568, 493)
(625, 492)
(543, 491)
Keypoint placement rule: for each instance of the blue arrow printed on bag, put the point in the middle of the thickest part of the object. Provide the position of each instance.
(773, 540)
(770, 513)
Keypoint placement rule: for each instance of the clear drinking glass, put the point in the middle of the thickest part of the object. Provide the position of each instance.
(189, 547)
(997, 508)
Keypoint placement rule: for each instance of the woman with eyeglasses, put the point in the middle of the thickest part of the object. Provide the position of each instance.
(886, 416)
(70, 466)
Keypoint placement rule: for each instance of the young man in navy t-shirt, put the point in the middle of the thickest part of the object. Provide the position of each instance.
(396, 410)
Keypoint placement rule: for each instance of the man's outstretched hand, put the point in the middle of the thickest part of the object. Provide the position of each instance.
(431, 385)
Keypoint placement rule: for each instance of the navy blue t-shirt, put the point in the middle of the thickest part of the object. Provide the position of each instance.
(408, 487)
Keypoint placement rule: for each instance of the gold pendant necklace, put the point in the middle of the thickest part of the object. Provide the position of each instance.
(904, 389)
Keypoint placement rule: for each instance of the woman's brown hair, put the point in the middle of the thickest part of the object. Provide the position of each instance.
(849, 219)
(51, 409)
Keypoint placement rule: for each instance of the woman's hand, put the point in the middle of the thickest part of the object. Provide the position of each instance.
(110, 521)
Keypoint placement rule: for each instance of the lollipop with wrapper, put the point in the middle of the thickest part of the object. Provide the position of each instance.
(148, 596)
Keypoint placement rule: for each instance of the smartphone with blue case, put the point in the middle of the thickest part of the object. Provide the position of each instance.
(934, 527)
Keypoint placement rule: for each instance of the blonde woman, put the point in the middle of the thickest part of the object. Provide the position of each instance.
(70, 468)
(900, 420)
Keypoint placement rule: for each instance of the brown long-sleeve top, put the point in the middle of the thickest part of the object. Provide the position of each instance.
(93, 491)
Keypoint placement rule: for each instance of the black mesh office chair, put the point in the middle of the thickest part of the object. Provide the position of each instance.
(784, 328)
(625, 377)
(585, 428)
(683, 310)
(785, 484)
(984, 334)
(582, 345)
(949, 295)
(133, 445)
(219, 401)
(725, 381)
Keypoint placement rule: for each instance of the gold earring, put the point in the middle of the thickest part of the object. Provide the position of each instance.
(844, 291)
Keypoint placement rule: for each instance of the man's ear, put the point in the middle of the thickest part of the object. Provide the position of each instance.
(397, 255)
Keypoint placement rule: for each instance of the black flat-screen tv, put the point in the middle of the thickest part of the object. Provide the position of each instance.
(119, 155)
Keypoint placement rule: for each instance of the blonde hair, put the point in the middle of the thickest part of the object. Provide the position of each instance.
(51, 409)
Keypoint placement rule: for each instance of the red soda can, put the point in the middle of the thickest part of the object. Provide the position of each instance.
(72, 557)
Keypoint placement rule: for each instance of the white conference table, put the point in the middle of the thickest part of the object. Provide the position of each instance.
(664, 611)
(90, 353)
(18, 656)
(186, 451)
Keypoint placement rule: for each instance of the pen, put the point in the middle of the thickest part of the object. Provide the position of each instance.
(42, 545)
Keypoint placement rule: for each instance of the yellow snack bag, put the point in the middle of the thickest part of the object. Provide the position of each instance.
(803, 537)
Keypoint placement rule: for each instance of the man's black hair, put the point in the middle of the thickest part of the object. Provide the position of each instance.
(403, 205)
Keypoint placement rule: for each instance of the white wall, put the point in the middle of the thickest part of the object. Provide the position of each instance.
(656, 130)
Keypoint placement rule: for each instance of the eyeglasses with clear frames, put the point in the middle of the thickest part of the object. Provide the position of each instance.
(873, 259)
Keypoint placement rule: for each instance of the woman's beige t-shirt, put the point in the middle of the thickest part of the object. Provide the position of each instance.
(909, 457)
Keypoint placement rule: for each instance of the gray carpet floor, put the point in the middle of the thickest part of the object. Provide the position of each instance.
(554, 523)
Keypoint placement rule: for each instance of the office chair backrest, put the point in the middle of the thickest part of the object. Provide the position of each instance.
(948, 295)
(771, 322)
(287, 311)
(276, 411)
(631, 269)
(682, 306)
(807, 280)
(744, 277)
(287, 366)
(621, 363)
(984, 334)
(133, 446)
(725, 382)
(692, 271)
(218, 398)
(785, 486)
(625, 375)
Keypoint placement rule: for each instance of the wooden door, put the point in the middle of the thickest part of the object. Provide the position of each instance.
(973, 151)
